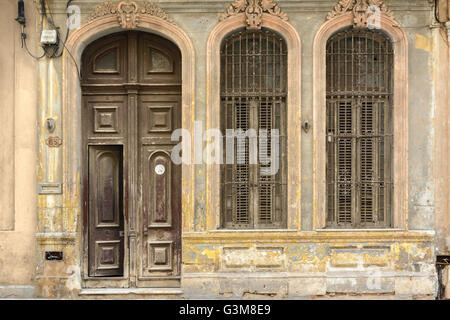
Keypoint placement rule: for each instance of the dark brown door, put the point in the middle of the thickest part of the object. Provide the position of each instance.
(131, 98)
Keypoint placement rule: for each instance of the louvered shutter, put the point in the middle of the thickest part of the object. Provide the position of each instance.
(345, 162)
(271, 188)
(367, 165)
(266, 188)
(241, 172)
(236, 176)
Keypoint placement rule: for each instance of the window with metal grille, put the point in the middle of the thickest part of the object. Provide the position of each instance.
(253, 96)
(359, 129)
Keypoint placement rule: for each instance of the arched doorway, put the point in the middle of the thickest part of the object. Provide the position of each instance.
(131, 92)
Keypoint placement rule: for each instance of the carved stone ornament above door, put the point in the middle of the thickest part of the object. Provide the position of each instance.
(253, 10)
(361, 10)
(128, 12)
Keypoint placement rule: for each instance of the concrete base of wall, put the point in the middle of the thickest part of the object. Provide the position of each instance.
(233, 286)
(17, 292)
(302, 286)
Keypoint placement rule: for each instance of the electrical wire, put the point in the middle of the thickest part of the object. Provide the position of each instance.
(80, 77)
(51, 22)
(442, 29)
(44, 48)
(436, 11)
(24, 45)
(65, 41)
(23, 36)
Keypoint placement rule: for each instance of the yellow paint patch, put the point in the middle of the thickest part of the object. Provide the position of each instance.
(423, 43)
(378, 260)
(211, 254)
(208, 257)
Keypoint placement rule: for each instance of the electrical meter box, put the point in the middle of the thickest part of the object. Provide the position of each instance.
(49, 37)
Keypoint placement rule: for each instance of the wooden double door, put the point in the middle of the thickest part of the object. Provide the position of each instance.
(132, 190)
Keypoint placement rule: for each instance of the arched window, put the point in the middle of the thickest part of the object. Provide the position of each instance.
(359, 128)
(253, 99)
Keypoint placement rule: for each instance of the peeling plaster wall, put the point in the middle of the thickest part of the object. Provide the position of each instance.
(308, 266)
(275, 264)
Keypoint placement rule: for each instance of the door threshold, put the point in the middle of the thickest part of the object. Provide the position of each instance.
(119, 291)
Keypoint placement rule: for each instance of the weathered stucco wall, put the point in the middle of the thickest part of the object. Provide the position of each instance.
(301, 262)
(18, 136)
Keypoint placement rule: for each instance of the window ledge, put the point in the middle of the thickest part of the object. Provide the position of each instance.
(319, 236)
(393, 230)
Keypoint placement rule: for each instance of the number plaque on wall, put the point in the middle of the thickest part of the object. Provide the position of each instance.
(54, 142)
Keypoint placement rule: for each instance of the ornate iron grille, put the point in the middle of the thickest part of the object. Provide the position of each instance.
(359, 129)
(253, 95)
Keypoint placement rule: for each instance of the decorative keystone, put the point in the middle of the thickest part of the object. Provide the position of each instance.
(128, 12)
(361, 10)
(253, 10)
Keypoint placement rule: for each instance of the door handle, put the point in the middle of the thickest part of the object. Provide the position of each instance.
(121, 234)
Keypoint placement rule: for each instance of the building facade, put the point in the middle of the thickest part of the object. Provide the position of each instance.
(103, 196)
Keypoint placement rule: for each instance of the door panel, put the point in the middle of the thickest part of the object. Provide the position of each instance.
(158, 202)
(105, 215)
(107, 116)
(159, 61)
(159, 117)
(105, 61)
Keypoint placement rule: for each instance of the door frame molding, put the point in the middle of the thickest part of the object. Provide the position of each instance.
(71, 125)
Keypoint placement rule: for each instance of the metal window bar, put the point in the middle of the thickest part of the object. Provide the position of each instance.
(253, 94)
(359, 129)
